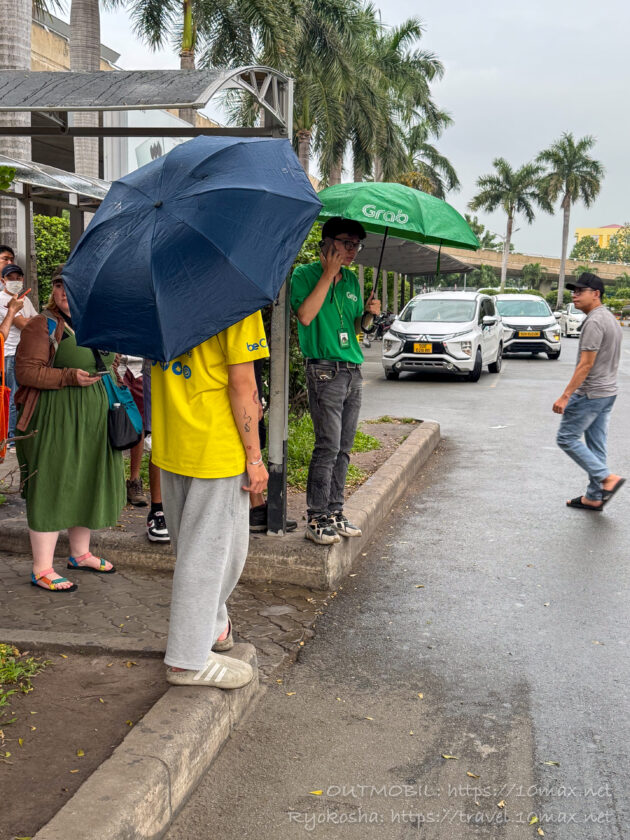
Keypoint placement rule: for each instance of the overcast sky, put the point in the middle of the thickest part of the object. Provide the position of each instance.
(517, 76)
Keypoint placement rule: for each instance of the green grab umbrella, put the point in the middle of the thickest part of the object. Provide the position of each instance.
(396, 210)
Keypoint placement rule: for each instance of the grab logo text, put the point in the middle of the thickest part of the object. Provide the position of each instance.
(370, 212)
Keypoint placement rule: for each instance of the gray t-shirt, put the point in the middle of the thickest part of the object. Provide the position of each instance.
(601, 332)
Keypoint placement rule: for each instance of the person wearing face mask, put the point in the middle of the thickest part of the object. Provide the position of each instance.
(71, 477)
(12, 285)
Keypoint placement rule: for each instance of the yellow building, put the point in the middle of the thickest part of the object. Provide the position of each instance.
(601, 234)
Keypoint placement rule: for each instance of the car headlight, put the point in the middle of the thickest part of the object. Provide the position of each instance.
(391, 344)
(507, 333)
(552, 333)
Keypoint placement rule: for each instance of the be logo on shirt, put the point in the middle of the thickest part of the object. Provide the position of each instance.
(257, 345)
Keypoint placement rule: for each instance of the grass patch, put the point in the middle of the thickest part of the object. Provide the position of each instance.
(16, 671)
(144, 468)
(2, 499)
(387, 419)
(300, 446)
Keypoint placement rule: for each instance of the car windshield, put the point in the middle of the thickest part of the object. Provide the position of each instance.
(525, 308)
(431, 309)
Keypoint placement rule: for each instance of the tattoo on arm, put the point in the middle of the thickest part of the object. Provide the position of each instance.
(246, 420)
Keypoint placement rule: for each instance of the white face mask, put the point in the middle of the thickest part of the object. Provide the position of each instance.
(13, 287)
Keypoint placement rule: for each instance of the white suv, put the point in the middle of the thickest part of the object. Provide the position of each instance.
(528, 325)
(570, 320)
(455, 332)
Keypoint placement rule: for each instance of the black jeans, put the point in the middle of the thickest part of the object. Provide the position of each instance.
(334, 398)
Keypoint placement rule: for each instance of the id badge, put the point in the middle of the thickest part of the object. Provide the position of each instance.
(344, 339)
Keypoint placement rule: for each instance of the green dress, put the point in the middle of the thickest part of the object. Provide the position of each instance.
(72, 475)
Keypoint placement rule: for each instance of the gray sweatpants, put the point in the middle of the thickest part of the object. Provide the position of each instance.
(208, 523)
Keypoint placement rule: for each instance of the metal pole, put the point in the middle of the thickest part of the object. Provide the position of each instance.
(384, 291)
(362, 281)
(395, 294)
(279, 386)
(23, 230)
(278, 415)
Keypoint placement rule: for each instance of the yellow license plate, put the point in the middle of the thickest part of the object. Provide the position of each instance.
(529, 334)
(423, 348)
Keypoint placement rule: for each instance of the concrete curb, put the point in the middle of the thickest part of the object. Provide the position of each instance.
(292, 559)
(288, 559)
(136, 793)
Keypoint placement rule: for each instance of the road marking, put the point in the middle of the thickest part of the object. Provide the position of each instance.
(498, 375)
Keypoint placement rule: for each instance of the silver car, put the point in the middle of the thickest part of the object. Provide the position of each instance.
(528, 325)
(456, 332)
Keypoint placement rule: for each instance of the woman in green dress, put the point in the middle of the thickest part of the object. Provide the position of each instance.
(72, 478)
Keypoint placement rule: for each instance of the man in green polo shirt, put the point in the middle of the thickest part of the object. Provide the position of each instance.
(326, 297)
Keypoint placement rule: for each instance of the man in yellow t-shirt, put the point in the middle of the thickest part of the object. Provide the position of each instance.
(205, 441)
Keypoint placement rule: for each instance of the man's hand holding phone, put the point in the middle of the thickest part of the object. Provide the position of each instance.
(331, 258)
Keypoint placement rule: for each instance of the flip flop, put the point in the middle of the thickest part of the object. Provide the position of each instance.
(577, 503)
(608, 494)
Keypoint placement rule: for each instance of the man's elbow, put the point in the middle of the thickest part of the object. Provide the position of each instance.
(303, 318)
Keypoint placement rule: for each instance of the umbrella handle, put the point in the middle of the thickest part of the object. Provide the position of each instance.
(380, 263)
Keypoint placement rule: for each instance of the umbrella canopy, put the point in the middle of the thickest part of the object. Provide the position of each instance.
(398, 211)
(188, 245)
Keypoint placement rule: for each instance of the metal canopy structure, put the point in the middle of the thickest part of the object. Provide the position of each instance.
(47, 95)
(130, 90)
(45, 180)
(409, 257)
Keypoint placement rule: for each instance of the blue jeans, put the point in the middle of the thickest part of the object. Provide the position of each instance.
(11, 382)
(334, 399)
(588, 417)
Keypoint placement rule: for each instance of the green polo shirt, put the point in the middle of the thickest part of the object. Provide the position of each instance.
(320, 340)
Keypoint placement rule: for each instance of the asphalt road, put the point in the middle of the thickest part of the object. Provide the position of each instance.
(505, 610)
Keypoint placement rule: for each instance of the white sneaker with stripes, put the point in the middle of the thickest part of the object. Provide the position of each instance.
(218, 672)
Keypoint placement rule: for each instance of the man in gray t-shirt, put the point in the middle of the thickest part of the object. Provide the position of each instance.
(587, 401)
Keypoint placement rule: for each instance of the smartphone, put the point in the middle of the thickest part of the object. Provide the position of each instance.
(23, 295)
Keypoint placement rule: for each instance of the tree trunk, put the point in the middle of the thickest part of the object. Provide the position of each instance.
(357, 174)
(85, 54)
(506, 252)
(378, 169)
(335, 174)
(187, 54)
(304, 148)
(566, 206)
(15, 54)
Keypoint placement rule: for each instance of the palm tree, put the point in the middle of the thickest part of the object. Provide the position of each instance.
(515, 191)
(222, 32)
(85, 54)
(572, 175)
(429, 170)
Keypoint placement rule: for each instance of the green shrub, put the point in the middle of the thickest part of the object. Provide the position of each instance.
(623, 292)
(52, 246)
(300, 447)
(510, 291)
(552, 297)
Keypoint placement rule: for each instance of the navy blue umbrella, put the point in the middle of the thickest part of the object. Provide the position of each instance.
(188, 245)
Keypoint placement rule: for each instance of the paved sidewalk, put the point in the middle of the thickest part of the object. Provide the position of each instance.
(129, 611)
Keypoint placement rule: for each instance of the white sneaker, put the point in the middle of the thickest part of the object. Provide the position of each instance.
(218, 672)
(320, 530)
(340, 523)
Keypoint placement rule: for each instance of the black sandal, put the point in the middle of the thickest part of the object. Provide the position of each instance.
(608, 494)
(578, 503)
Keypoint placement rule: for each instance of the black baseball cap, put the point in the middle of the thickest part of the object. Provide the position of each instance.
(11, 269)
(585, 281)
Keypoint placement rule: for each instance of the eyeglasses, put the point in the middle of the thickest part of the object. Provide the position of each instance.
(575, 292)
(350, 244)
(7, 258)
